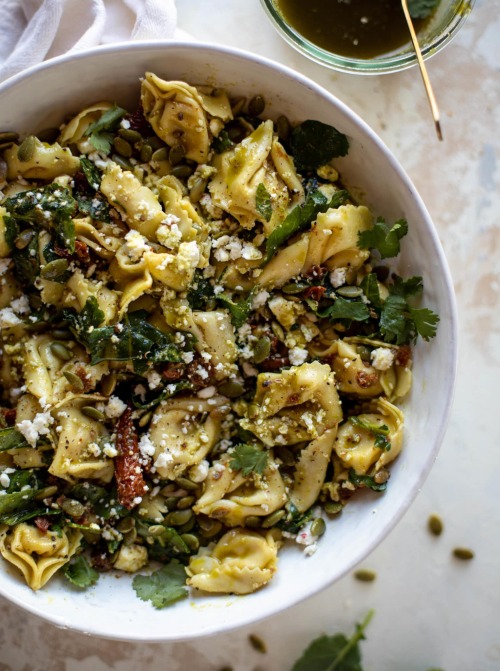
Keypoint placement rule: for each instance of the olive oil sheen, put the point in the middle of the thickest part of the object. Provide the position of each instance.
(350, 28)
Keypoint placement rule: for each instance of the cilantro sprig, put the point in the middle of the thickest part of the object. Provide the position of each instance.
(380, 431)
(100, 133)
(79, 573)
(383, 238)
(248, 459)
(163, 587)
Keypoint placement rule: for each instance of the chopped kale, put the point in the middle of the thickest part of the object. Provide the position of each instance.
(314, 144)
(366, 481)
(263, 202)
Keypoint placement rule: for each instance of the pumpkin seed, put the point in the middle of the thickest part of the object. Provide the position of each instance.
(294, 287)
(185, 502)
(209, 527)
(186, 528)
(285, 455)
(54, 269)
(349, 291)
(365, 575)
(122, 161)
(253, 521)
(178, 517)
(145, 153)
(186, 483)
(48, 135)
(130, 135)
(26, 149)
(145, 419)
(198, 189)
(257, 643)
(73, 508)
(182, 171)
(62, 334)
(123, 147)
(364, 352)
(318, 527)
(236, 133)
(381, 476)
(238, 105)
(126, 524)
(171, 502)
(24, 238)
(232, 388)
(332, 507)
(46, 492)
(8, 136)
(130, 537)
(61, 351)
(278, 331)
(156, 530)
(191, 541)
(262, 349)
(176, 154)
(273, 518)
(74, 380)
(435, 525)
(253, 410)
(108, 384)
(93, 413)
(160, 154)
(154, 142)
(463, 553)
(283, 128)
(256, 105)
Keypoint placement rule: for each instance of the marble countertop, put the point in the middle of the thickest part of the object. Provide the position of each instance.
(431, 610)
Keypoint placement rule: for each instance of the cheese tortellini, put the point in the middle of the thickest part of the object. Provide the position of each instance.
(204, 351)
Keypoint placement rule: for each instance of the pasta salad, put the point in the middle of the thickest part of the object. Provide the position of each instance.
(203, 349)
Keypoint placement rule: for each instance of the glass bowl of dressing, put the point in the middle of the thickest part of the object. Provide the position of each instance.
(364, 36)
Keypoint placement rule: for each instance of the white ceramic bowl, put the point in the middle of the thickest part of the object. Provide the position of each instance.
(40, 98)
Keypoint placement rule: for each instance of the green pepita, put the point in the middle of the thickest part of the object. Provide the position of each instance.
(62, 334)
(93, 413)
(208, 527)
(191, 541)
(273, 519)
(46, 492)
(333, 507)
(294, 287)
(186, 483)
(171, 502)
(73, 508)
(435, 525)
(8, 136)
(123, 147)
(126, 524)
(188, 526)
(108, 384)
(262, 349)
(197, 189)
(349, 291)
(156, 530)
(74, 380)
(185, 502)
(257, 643)
(283, 128)
(154, 142)
(232, 388)
(178, 517)
(176, 154)
(145, 153)
(182, 171)
(61, 351)
(256, 105)
(381, 476)
(130, 135)
(463, 553)
(365, 575)
(145, 419)
(26, 149)
(160, 154)
(54, 269)
(122, 161)
(318, 527)
(253, 521)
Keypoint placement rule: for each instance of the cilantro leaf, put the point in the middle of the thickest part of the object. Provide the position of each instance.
(425, 321)
(200, 291)
(91, 173)
(421, 9)
(343, 309)
(82, 324)
(79, 573)
(248, 459)
(371, 290)
(294, 520)
(163, 587)
(382, 238)
(263, 203)
(394, 324)
(100, 132)
(314, 144)
(300, 217)
(334, 653)
(413, 286)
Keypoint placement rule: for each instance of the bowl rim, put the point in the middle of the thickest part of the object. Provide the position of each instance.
(371, 66)
(449, 366)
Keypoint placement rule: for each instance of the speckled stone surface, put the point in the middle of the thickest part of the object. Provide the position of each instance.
(431, 610)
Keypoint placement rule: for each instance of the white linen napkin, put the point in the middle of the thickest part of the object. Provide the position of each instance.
(34, 30)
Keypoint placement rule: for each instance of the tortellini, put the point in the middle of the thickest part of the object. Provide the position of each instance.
(45, 161)
(36, 554)
(298, 404)
(241, 562)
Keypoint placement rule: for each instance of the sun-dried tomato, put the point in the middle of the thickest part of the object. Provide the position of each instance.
(403, 355)
(84, 377)
(366, 379)
(138, 122)
(174, 371)
(128, 467)
(316, 293)
(42, 523)
(9, 415)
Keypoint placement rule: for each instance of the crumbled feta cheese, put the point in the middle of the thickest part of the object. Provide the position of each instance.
(135, 245)
(338, 277)
(115, 407)
(168, 233)
(188, 256)
(208, 392)
(8, 318)
(154, 379)
(199, 472)
(4, 265)
(260, 299)
(21, 305)
(146, 447)
(382, 358)
(297, 355)
(39, 426)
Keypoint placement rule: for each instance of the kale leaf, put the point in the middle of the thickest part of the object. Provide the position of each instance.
(239, 310)
(11, 439)
(314, 144)
(263, 202)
